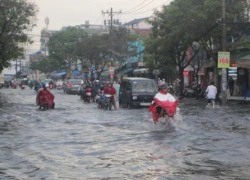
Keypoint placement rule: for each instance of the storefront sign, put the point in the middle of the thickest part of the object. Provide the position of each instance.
(223, 59)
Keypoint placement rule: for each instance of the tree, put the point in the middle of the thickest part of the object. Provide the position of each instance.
(45, 65)
(179, 24)
(62, 47)
(94, 50)
(16, 17)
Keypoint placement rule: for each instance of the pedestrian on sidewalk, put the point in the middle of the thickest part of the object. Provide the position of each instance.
(231, 86)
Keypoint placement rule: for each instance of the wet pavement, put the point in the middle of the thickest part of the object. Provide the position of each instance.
(79, 141)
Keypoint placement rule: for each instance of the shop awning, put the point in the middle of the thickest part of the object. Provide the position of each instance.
(105, 73)
(208, 64)
(141, 71)
(125, 71)
(241, 58)
(243, 62)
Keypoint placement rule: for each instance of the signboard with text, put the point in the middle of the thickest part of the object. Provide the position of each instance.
(223, 59)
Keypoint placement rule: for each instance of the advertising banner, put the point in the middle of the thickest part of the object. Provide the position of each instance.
(223, 59)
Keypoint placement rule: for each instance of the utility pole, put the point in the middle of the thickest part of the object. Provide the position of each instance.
(223, 48)
(111, 14)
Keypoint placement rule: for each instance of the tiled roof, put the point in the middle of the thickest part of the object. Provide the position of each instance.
(135, 21)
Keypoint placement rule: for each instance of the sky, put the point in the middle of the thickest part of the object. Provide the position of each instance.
(75, 12)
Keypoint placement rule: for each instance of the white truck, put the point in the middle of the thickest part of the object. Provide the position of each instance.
(1, 80)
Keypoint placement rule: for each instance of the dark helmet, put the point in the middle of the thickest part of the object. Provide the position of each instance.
(43, 85)
(163, 86)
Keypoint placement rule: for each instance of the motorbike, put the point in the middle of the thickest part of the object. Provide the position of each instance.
(59, 87)
(87, 95)
(44, 106)
(22, 86)
(200, 93)
(104, 102)
(188, 92)
(165, 110)
(50, 86)
(107, 102)
(14, 85)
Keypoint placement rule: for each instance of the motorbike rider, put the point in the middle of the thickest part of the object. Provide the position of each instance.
(111, 90)
(86, 87)
(45, 98)
(163, 100)
(96, 87)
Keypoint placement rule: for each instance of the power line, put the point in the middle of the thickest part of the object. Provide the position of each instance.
(98, 19)
(136, 6)
(142, 6)
(148, 9)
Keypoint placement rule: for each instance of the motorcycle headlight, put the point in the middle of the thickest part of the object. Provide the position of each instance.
(134, 97)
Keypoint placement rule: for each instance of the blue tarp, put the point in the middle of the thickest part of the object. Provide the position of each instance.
(76, 73)
(58, 75)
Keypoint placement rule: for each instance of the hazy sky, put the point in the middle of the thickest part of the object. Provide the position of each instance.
(74, 12)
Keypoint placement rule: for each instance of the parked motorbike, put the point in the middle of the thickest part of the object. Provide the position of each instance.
(188, 92)
(200, 92)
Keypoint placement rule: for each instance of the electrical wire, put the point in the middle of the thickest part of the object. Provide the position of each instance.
(141, 7)
(136, 6)
(149, 9)
(98, 19)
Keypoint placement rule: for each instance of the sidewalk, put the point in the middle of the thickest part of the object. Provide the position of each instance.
(237, 99)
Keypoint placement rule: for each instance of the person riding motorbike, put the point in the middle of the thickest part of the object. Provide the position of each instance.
(111, 90)
(44, 98)
(87, 88)
(164, 104)
(96, 88)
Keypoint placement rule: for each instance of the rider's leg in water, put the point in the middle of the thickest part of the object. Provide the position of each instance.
(113, 102)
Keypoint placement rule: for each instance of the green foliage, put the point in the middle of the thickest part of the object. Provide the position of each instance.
(182, 22)
(15, 19)
(45, 65)
(62, 45)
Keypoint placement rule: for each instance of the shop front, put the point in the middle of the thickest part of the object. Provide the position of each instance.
(243, 75)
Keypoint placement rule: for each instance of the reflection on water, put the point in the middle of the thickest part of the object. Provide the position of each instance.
(79, 141)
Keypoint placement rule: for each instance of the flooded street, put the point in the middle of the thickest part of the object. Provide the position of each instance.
(78, 141)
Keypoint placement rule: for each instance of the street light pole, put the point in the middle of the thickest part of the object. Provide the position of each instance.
(223, 48)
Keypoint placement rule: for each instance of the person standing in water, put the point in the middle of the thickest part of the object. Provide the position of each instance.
(211, 94)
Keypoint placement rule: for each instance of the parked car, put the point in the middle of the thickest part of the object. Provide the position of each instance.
(137, 92)
(72, 86)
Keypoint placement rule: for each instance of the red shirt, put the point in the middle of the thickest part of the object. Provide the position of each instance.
(110, 90)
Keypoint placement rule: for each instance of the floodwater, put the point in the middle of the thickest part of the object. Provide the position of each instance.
(78, 141)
